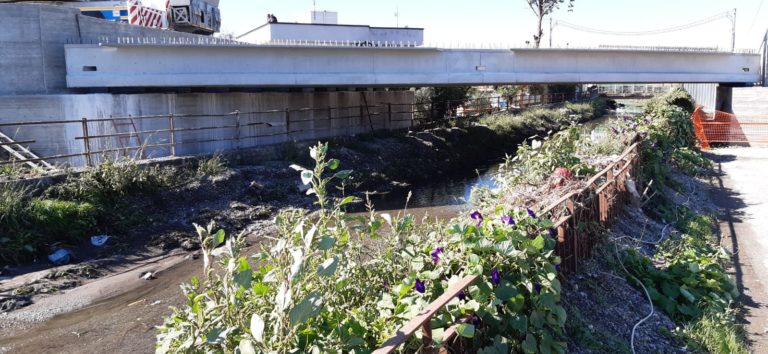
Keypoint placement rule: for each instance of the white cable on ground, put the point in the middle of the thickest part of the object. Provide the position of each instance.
(621, 263)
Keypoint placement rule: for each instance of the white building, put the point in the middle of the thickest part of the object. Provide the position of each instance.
(323, 27)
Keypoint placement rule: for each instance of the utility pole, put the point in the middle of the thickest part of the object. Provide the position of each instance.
(550, 32)
(397, 16)
(733, 32)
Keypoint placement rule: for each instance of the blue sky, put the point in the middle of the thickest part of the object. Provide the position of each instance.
(511, 22)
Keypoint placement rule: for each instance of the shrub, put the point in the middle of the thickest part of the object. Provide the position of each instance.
(111, 180)
(213, 166)
(323, 286)
(60, 220)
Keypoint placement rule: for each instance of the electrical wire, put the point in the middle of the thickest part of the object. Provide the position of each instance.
(644, 33)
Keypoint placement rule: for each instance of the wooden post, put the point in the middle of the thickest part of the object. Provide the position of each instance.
(237, 130)
(87, 143)
(389, 115)
(288, 124)
(172, 134)
(570, 205)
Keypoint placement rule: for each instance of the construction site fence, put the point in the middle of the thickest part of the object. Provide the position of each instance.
(579, 218)
(169, 134)
(728, 129)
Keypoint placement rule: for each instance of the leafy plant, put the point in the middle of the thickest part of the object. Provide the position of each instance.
(533, 163)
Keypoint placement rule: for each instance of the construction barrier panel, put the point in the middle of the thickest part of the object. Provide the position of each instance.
(726, 128)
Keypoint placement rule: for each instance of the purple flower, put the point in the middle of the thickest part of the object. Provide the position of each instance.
(557, 268)
(477, 216)
(419, 286)
(436, 254)
(475, 320)
(531, 213)
(386, 285)
(461, 295)
(552, 232)
(506, 219)
(495, 276)
(614, 131)
(537, 288)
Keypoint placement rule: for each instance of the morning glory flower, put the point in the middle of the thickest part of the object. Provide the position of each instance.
(495, 276)
(506, 219)
(436, 254)
(537, 288)
(477, 216)
(419, 286)
(557, 268)
(552, 232)
(475, 320)
(531, 213)
(461, 295)
(386, 285)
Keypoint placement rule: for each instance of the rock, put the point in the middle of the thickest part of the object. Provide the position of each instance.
(13, 303)
(190, 245)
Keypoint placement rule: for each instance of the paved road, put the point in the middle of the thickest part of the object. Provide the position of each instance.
(743, 203)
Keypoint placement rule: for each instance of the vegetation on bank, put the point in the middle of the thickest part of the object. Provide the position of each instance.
(337, 283)
(101, 200)
(96, 201)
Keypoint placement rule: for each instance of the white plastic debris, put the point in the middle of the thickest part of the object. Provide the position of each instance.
(148, 275)
(60, 256)
(99, 240)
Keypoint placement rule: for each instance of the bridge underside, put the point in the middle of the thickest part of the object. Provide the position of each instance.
(126, 66)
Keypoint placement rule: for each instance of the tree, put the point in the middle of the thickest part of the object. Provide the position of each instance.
(543, 8)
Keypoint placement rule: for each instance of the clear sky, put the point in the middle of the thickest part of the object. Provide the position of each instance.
(511, 22)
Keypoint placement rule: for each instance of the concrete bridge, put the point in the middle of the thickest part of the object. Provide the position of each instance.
(187, 64)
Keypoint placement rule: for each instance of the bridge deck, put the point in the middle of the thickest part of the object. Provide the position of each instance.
(317, 66)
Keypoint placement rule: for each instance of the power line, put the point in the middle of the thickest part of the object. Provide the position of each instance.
(757, 13)
(645, 33)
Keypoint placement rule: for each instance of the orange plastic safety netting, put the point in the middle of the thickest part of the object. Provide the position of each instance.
(727, 128)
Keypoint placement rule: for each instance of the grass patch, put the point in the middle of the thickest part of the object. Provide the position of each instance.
(212, 166)
(716, 334)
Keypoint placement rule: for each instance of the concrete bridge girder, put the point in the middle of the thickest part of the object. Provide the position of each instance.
(95, 66)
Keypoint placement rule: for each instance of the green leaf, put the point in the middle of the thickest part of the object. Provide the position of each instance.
(466, 330)
(529, 344)
(215, 336)
(257, 328)
(343, 174)
(538, 242)
(244, 275)
(306, 177)
(347, 200)
(687, 294)
(333, 164)
(328, 267)
(505, 292)
(307, 308)
(326, 243)
(219, 238)
(246, 347)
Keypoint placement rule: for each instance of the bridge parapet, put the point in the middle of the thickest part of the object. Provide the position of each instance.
(197, 65)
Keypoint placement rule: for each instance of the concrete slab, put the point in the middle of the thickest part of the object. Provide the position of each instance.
(743, 205)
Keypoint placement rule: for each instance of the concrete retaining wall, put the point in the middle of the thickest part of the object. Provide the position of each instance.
(291, 117)
(32, 39)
